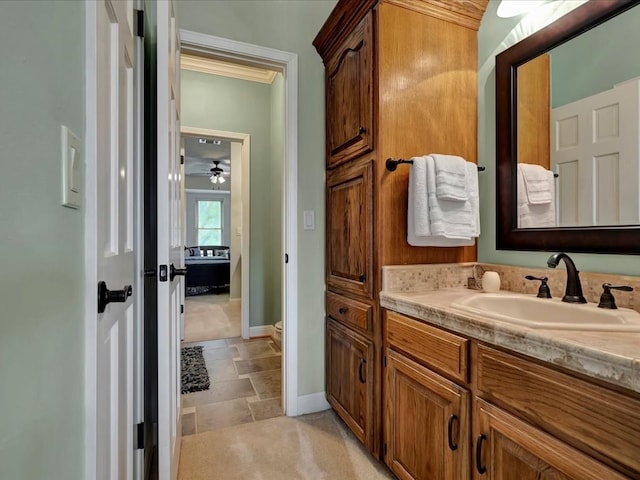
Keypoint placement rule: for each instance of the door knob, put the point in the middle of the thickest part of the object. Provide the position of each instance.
(106, 296)
(173, 272)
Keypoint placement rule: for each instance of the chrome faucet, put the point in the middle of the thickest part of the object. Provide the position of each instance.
(573, 290)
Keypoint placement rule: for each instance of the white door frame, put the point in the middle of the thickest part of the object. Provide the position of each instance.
(287, 63)
(245, 140)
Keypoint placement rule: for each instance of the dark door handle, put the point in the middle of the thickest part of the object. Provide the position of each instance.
(363, 362)
(173, 272)
(106, 296)
(479, 466)
(452, 446)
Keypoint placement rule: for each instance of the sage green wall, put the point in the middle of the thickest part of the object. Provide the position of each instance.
(291, 26)
(276, 212)
(42, 281)
(494, 36)
(232, 105)
(596, 60)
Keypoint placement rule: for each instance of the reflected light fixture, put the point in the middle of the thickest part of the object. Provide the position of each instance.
(216, 173)
(511, 8)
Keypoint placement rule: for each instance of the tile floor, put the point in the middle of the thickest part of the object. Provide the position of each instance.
(246, 385)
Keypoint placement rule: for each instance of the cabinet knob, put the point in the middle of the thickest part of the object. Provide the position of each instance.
(362, 277)
(343, 310)
(362, 131)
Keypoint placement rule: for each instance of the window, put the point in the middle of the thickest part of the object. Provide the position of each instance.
(209, 222)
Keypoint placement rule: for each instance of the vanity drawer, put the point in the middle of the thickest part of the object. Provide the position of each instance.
(599, 421)
(435, 348)
(349, 312)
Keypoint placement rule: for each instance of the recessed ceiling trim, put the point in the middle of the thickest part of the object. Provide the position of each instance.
(218, 67)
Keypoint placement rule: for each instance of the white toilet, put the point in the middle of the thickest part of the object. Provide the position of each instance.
(277, 338)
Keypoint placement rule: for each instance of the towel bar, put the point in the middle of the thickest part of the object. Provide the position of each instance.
(392, 164)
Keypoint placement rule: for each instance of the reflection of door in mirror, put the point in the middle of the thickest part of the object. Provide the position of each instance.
(533, 111)
(577, 115)
(596, 154)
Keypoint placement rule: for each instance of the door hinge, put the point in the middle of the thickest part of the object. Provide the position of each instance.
(139, 436)
(182, 308)
(286, 258)
(181, 159)
(139, 23)
(163, 273)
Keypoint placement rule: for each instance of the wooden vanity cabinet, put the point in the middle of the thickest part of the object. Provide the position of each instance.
(349, 96)
(384, 100)
(426, 416)
(349, 265)
(602, 423)
(349, 378)
(507, 448)
(426, 422)
(529, 419)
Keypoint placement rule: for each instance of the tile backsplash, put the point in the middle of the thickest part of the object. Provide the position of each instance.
(415, 278)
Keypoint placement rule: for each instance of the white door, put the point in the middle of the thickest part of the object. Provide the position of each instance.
(111, 179)
(170, 242)
(595, 150)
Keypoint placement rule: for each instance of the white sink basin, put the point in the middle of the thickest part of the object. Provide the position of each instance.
(533, 312)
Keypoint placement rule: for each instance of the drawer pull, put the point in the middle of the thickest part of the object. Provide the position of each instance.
(343, 310)
(362, 131)
(363, 362)
(481, 468)
(362, 277)
(452, 446)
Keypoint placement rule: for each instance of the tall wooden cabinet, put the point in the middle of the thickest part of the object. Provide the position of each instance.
(400, 81)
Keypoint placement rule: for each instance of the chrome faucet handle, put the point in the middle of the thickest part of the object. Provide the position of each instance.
(543, 290)
(606, 299)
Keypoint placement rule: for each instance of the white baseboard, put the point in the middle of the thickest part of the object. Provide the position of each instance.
(315, 402)
(262, 331)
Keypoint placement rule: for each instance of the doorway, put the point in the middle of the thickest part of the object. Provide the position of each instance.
(285, 63)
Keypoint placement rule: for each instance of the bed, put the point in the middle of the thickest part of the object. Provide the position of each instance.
(208, 272)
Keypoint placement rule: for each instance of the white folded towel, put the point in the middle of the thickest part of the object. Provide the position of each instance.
(451, 172)
(534, 215)
(448, 218)
(426, 240)
(538, 182)
(418, 183)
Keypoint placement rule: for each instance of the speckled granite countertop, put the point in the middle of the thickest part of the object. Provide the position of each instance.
(609, 356)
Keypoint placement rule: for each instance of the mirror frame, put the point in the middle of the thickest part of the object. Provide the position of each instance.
(596, 239)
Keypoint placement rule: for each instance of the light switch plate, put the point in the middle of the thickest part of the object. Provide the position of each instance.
(309, 220)
(71, 155)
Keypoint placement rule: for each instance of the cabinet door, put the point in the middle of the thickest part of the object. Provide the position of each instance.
(349, 96)
(426, 422)
(349, 378)
(349, 229)
(507, 448)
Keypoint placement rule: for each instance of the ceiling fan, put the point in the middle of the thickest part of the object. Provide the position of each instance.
(216, 173)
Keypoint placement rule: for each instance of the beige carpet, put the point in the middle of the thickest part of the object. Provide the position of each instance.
(206, 319)
(310, 447)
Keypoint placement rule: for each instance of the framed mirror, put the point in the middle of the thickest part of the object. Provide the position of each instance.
(553, 193)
